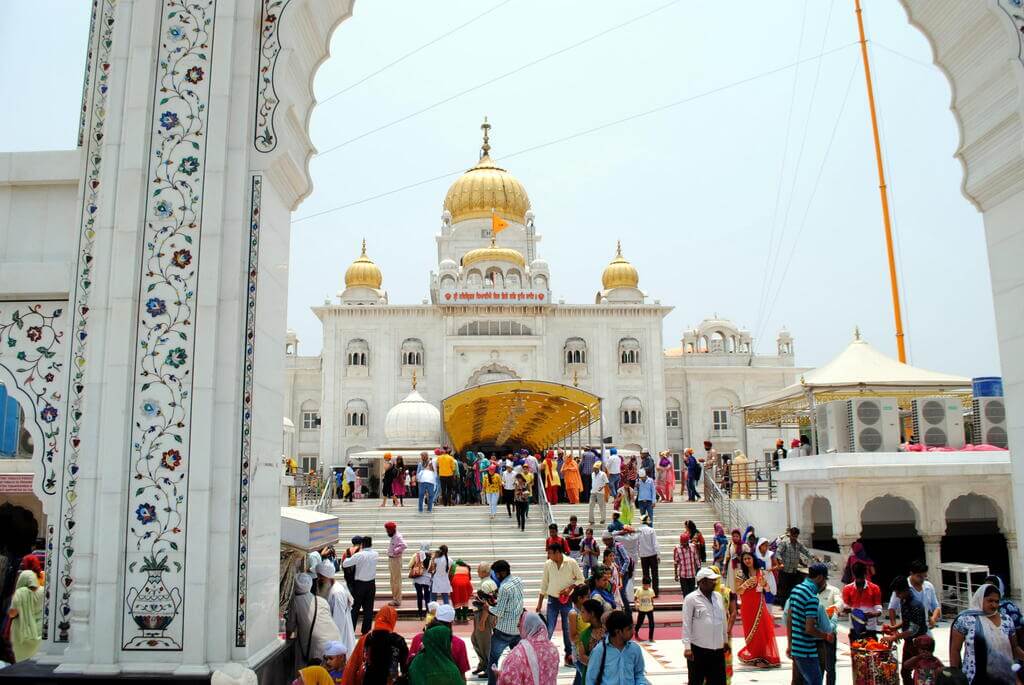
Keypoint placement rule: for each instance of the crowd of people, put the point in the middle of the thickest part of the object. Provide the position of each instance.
(588, 586)
(512, 479)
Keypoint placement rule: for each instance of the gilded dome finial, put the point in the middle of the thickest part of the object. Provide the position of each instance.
(619, 273)
(485, 149)
(363, 272)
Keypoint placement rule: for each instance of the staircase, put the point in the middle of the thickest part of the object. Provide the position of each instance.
(473, 537)
(467, 530)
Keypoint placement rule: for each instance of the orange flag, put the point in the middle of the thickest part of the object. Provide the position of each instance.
(497, 223)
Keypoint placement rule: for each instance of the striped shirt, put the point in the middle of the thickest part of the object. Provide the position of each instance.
(803, 605)
(510, 605)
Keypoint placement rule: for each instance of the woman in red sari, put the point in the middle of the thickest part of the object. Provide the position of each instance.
(760, 649)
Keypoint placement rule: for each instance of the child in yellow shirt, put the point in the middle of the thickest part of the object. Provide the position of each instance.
(643, 599)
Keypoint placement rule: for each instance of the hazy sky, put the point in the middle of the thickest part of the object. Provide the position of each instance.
(698, 192)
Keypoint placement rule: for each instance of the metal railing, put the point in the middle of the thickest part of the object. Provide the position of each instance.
(542, 499)
(323, 505)
(754, 480)
(729, 512)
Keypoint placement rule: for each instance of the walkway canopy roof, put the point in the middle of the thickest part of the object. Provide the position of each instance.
(858, 371)
(517, 413)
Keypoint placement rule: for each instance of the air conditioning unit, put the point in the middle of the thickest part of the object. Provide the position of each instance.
(874, 424)
(990, 421)
(938, 422)
(832, 424)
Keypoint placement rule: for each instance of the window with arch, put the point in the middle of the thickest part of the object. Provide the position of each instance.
(474, 279)
(310, 415)
(540, 282)
(494, 328)
(357, 414)
(412, 352)
(717, 345)
(631, 411)
(575, 351)
(629, 351)
(357, 352)
(673, 414)
(447, 283)
(494, 278)
(513, 280)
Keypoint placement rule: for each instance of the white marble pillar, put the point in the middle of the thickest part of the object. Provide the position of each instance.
(168, 541)
(1016, 580)
(933, 555)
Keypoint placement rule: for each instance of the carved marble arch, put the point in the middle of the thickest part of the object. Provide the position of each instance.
(490, 372)
(807, 509)
(903, 500)
(983, 502)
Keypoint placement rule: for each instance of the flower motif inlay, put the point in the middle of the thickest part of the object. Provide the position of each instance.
(265, 138)
(94, 111)
(245, 457)
(163, 377)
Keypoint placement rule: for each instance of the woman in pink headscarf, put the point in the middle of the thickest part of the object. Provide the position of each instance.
(534, 660)
(666, 479)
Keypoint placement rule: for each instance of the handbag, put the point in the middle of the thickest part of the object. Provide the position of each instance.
(417, 566)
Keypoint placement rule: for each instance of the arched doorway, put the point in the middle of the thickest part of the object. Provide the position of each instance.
(822, 533)
(889, 531)
(973, 535)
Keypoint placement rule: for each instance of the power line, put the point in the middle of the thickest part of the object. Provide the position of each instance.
(799, 159)
(578, 134)
(500, 77)
(413, 52)
(810, 200)
(782, 172)
(926, 65)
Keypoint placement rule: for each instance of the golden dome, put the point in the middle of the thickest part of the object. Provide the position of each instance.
(493, 254)
(620, 273)
(363, 273)
(487, 187)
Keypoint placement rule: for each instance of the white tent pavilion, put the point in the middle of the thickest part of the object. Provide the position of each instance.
(859, 370)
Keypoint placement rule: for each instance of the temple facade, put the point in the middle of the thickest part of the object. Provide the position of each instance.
(490, 317)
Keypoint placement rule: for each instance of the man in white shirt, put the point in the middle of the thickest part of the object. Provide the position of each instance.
(598, 479)
(534, 465)
(613, 464)
(705, 631)
(364, 587)
(350, 478)
(508, 487)
(923, 591)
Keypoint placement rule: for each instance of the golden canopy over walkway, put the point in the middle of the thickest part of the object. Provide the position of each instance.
(517, 413)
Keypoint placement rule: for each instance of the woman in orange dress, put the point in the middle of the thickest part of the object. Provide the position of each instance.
(572, 480)
(760, 649)
(551, 479)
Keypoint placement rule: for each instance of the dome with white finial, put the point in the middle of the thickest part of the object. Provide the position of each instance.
(413, 422)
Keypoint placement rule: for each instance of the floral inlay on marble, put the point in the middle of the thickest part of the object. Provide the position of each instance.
(245, 456)
(1015, 11)
(265, 139)
(163, 376)
(32, 355)
(99, 83)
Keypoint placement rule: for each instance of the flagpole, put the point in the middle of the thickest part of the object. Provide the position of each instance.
(893, 282)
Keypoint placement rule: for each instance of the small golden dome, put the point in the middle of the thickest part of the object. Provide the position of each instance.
(363, 273)
(493, 254)
(487, 187)
(620, 273)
